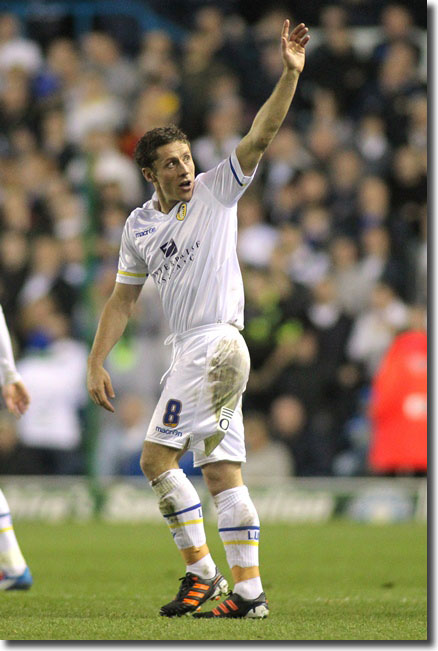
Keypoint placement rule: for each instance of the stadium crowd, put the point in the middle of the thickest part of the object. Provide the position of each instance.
(332, 233)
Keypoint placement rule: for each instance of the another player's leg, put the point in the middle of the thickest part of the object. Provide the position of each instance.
(181, 508)
(239, 528)
(14, 573)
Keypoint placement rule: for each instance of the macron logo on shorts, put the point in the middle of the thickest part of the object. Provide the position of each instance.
(172, 432)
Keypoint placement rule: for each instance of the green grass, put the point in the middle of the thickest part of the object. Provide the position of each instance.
(337, 581)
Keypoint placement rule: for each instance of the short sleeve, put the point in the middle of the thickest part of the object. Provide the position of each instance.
(132, 270)
(226, 181)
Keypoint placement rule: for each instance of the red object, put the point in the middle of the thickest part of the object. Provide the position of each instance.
(399, 407)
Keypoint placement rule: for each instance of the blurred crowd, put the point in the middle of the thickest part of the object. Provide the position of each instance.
(332, 232)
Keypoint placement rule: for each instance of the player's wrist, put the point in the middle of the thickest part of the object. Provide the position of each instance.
(11, 376)
(290, 73)
(94, 363)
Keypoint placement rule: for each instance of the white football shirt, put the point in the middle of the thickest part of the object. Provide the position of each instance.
(8, 372)
(190, 252)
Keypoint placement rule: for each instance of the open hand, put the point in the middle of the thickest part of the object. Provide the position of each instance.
(16, 398)
(292, 46)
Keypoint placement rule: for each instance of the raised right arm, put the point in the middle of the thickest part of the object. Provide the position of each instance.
(112, 324)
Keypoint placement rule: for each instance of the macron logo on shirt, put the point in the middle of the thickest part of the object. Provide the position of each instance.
(169, 248)
(146, 232)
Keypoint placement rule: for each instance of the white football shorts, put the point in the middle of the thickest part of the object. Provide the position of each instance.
(200, 408)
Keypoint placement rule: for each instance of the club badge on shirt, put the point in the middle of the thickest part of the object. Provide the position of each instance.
(182, 212)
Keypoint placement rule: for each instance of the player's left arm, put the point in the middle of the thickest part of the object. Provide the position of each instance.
(271, 115)
(14, 392)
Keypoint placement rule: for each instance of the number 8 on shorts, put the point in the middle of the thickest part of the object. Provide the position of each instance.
(172, 412)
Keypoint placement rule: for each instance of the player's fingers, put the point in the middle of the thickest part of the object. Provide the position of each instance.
(109, 387)
(305, 40)
(12, 407)
(297, 29)
(299, 34)
(285, 31)
(101, 399)
(24, 397)
(22, 406)
(94, 395)
(107, 405)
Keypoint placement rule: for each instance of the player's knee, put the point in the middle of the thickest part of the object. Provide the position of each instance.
(149, 463)
(222, 475)
(145, 465)
(156, 459)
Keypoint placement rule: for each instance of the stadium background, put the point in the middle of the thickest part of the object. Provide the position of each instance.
(332, 244)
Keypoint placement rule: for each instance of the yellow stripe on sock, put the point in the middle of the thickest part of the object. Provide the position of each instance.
(241, 542)
(6, 529)
(184, 524)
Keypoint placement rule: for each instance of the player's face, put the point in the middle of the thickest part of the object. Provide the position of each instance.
(174, 172)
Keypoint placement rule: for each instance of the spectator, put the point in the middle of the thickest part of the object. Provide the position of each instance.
(345, 170)
(54, 141)
(323, 142)
(222, 126)
(334, 64)
(93, 108)
(408, 182)
(16, 51)
(286, 156)
(330, 324)
(317, 227)
(374, 330)
(352, 288)
(257, 239)
(288, 419)
(61, 77)
(373, 203)
(304, 265)
(156, 60)
(103, 55)
(263, 453)
(397, 23)
(378, 263)
(46, 276)
(121, 439)
(397, 82)
(14, 256)
(399, 403)
(198, 75)
(50, 432)
(417, 134)
(16, 107)
(373, 144)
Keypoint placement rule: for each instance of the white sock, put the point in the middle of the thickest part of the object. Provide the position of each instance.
(239, 529)
(11, 558)
(205, 568)
(181, 507)
(249, 589)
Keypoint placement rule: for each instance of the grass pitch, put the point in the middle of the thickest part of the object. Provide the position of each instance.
(336, 581)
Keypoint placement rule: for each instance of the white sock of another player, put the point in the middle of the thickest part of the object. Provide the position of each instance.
(181, 507)
(11, 558)
(239, 528)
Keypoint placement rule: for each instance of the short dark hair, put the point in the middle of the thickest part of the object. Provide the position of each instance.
(146, 148)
